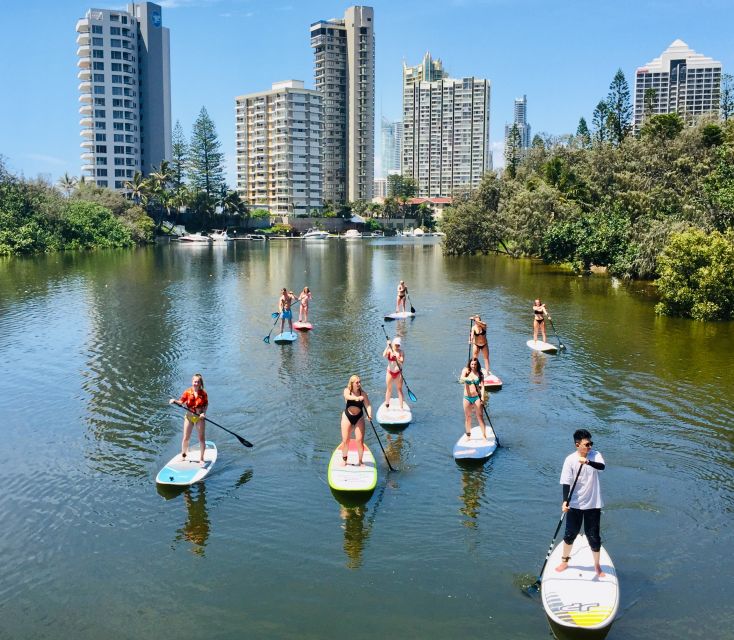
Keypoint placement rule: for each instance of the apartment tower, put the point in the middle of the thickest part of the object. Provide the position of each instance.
(279, 149)
(680, 81)
(344, 73)
(391, 139)
(125, 87)
(520, 120)
(445, 129)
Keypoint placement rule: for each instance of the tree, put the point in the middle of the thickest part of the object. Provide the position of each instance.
(619, 108)
(206, 160)
(67, 184)
(583, 133)
(179, 156)
(513, 151)
(402, 189)
(599, 122)
(138, 188)
(663, 126)
(726, 100)
(697, 276)
(649, 100)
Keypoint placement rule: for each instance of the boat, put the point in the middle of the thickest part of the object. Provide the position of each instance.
(220, 236)
(378, 234)
(539, 345)
(352, 234)
(418, 233)
(256, 237)
(476, 447)
(394, 416)
(182, 472)
(195, 238)
(350, 477)
(316, 234)
(577, 602)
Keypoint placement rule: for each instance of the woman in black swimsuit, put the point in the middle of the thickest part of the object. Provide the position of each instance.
(357, 403)
(478, 337)
(539, 314)
(402, 292)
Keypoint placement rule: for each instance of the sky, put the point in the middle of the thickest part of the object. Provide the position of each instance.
(561, 54)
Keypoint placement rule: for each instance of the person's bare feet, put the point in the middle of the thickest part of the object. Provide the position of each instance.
(600, 573)
(562, 567)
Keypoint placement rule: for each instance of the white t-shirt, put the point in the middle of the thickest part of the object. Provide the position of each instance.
(587, 494)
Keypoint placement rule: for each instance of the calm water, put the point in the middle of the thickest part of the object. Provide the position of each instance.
(92, 346)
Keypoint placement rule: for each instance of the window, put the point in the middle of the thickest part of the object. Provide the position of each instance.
(119, 149)
(117, 113)
(99, 102)
(99, 77)
(100, 137)
(116, 55)
(101, 161)
(102, 172)
(100, 125)
(97, 42)
(114, 17)
(119, 173)
(124, 19)
(117, 126)
(116, 79)
(99, 90)
(98, 66)
(115, 31)
(117, 66)
(117, 102)
(115, 42)
(100, 148)
(96, 28)
(116, 91)
(119, 161)
(101, 183)
(97, 53)
(99, 113)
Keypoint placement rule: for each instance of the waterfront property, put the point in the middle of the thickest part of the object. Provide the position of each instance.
(125, 92)
(279, 149)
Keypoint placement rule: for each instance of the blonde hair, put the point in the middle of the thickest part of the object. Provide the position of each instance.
(351, 382)
(201, 380)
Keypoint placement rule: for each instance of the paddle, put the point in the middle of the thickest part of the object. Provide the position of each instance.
(536, 584)
(471, 325)
(247, 443)
(380, 442)
(486, 413)
(412, 308)
(560, 344)
(266, 339)
(411, 395)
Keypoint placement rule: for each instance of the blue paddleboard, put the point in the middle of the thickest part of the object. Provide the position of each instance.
(286, 337)
(182, 472)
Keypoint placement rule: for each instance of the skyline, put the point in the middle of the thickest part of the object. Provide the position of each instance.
(243, 46)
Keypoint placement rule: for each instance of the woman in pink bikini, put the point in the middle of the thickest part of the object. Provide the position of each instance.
(395, 359)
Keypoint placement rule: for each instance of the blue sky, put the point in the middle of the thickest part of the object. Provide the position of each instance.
(561, 54)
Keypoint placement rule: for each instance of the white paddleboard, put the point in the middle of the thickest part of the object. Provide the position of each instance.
(400, 315)
(352, 477)
(302, 326)
(576, 598)
(539, 345)
(182, 472)
(476, 448)
(285, 337)
(394, 415)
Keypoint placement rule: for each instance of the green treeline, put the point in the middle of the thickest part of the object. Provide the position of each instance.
(657, 205)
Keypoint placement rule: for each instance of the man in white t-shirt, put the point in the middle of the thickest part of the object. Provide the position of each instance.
(580, 479)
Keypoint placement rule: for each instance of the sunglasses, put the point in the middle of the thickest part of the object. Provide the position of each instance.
(586, 444)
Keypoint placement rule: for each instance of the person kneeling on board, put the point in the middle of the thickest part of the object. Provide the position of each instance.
(196, 401)
(586, 503)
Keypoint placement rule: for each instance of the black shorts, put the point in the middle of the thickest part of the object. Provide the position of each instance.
(591, 519)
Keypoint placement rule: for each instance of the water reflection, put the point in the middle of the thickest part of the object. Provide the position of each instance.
(394, 444)
(473, 482)
(196, 529)
(537, 364)
(356, 525)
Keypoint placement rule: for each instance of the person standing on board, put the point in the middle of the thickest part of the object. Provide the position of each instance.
(395, 359)
(478, 337)
(305, 298)
(402, 293)
(357, 403)
(287, 298)
(195, 400)
(472, 378)
(586, 503)
(539, 312)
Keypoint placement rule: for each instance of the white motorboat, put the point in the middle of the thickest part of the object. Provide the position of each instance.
(195, 238)
(378, 234)
(352, 234)
(417, 233)
(316, 234)
(220, 236)
(256, 237)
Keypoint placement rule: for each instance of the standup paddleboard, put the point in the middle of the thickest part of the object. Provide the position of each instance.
(491, 381)
(394, 416)
(302, 326)
(400, 315)
(539, 345)
(352, 477)
(182, 472)
(286, 337)
(576, 599)
(477, 448)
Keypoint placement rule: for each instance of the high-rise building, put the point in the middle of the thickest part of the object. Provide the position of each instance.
(680, 81)
(445, 129)
(344, 72)
(391, 138)
(279, 148)
(124, 69)
(520, 120)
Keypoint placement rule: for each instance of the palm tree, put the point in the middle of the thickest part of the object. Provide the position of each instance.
(139, 189)
(68, 183)
(231, 203)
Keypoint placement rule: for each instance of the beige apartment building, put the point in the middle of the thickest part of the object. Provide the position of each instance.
(125, 92)
(279, 149)
(344, 74)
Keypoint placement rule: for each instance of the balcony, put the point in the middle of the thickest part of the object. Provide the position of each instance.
(87, 133)
(87, 155)
(85, 86)
(85, 110)
(86, 122)
(88, 168)
(85, 97)
(84, 63)
(82, 39)
(87, 144)
(82, 25)
(84, 51)
(84, 74)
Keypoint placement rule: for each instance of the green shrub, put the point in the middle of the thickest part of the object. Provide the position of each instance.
(86, 225)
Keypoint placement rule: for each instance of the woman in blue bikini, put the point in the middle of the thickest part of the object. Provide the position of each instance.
(472, 378)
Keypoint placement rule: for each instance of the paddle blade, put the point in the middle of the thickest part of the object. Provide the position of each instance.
(274, 315)
(247, 443)
(412, 397)
(412, 309)
(266, 339)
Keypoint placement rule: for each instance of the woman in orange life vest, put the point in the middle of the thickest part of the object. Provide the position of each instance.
(195, 401)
